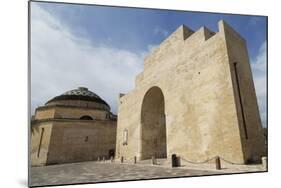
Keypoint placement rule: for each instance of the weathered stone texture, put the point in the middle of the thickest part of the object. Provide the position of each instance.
(81, 141)
(202, 115)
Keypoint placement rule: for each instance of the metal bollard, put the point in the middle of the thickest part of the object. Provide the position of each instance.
(135, 160)
(174, 160)
(98, 158)
(103, 159)
(122, 159)
(218, 163)
(264, 162)
(111, 159)
(153, 160)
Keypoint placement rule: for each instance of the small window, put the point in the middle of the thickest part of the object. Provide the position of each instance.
(107, 116)
(40, 142)
(125, 137)
(86, 139)
(86, 118)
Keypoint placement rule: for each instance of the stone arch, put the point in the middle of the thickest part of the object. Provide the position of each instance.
(153, 125)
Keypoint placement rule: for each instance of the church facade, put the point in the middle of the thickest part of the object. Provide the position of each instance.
(73, 127)
(194, 98)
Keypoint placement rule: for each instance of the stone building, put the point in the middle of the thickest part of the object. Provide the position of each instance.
(194, 98)
(72, 127)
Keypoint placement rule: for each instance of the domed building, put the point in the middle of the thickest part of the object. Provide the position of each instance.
(72, 127)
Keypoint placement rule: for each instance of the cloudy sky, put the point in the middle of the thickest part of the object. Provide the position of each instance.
(103, 48)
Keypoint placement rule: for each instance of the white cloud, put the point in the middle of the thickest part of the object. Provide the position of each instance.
(259, 74)
(61, 61)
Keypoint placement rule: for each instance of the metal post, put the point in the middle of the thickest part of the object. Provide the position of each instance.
(153, 160)
(122, 159)
(98, 158)
(135, 160)
(103, 159)
(174, 160)
(111, 159)
(218, 163)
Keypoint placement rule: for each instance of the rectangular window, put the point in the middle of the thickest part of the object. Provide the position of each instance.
(240, 100)
(40, 142)
(125, 137)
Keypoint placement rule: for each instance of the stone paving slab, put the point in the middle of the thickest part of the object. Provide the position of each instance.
(94, 172)
(102, 172)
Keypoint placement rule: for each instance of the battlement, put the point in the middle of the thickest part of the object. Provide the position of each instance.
(182, 35)
(185, 35)
(227, 30)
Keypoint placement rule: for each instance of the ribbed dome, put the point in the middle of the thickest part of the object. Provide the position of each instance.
(82, 94)
(81, 91)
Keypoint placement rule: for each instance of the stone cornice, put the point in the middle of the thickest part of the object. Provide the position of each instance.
(68, 106)
(50, 120)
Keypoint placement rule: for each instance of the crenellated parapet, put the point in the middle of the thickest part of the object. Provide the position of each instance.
(184, 37)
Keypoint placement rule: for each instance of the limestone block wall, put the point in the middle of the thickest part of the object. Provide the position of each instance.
(48, 112)
(81, 141)
(79, 103)
(245, 95)
(65, 141)
(192, 69)
(40, 139)
(76, 113)
(45, 113)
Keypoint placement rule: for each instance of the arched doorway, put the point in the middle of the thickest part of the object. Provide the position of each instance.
(153, 130)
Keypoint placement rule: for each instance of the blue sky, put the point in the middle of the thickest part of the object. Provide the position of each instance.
(125, 35)
(139, 25)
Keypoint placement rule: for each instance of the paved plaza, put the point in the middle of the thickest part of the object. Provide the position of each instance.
(94, 172)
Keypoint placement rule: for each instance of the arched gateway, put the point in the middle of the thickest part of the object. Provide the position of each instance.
(210, 106)
(153, 125)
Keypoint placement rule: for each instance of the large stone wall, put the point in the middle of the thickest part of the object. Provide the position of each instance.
(193, 71)
(250, 127)
(73, 141)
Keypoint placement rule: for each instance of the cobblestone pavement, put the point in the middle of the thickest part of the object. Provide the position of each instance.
(86, 172)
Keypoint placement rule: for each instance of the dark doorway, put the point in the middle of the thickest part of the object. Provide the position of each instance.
(153, 125)
(111, 153)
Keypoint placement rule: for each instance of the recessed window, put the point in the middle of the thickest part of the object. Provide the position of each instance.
(107, 116)
(86, 117)
(125, 137)
(240, 98)
(40, 142)
(86, 139)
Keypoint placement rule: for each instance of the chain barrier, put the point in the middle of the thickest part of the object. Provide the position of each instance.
(126, 159)
(231, 162)
(186, 160)
(206, 161)
(202, 162)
